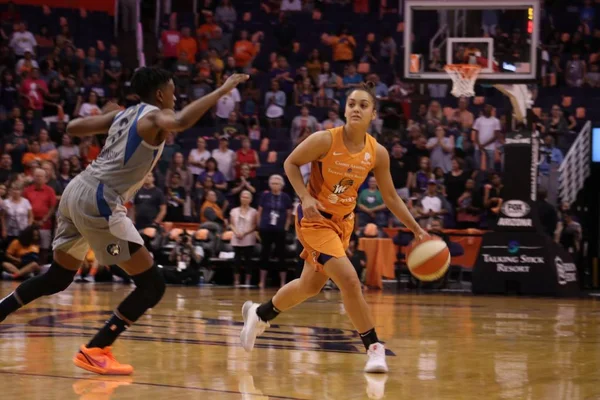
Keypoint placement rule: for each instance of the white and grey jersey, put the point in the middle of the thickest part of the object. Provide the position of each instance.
(126, 159)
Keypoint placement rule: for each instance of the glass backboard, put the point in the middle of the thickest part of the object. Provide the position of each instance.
(502, 37)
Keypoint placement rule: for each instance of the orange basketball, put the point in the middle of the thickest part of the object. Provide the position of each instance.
(428, 259)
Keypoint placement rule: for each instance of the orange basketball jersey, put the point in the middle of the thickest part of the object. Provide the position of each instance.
(335, 179)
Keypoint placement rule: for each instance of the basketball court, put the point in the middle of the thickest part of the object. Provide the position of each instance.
(439, 346)
(443, 346)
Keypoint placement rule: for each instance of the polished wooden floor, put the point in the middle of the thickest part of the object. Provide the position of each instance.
(441, 347)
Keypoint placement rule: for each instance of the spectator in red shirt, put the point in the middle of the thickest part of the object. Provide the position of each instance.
(34, 89)
(43, 203)
(169, 40)
(246, 155)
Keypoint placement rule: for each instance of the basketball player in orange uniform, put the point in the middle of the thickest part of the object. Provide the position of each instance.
(341, 160)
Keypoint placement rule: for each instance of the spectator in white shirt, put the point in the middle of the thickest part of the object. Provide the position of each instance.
(304, 120)
(198, 157)
(431, 205)
(275, 101)
(90, 107)
(275, 96)
(225, 158)
(17, 213)
(22, 40)
(487, 130)
(441, 149)
(243, 225)
(67, 149)
(227, 104)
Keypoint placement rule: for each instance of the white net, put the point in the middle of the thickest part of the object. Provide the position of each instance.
(576, 168)
(463, 79)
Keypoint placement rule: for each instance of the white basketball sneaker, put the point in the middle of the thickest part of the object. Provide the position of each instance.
(376, 362)
(253, 325)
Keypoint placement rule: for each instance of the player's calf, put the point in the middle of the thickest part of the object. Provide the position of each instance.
(97, 356)
(55, 280)
(150, 288)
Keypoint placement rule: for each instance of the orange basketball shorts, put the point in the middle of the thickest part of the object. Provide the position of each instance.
(323, 238)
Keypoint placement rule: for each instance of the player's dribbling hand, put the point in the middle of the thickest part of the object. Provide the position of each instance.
(421, 234)
(234, 80)
(310, 207)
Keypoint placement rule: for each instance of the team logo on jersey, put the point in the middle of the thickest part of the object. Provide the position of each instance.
(342, 185)
(113, 249)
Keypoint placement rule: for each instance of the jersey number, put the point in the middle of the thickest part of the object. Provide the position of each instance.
(123, 122)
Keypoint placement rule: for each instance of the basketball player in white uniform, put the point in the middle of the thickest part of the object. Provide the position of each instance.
(92, 210)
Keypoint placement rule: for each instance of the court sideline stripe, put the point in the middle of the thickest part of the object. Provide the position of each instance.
(164, 385)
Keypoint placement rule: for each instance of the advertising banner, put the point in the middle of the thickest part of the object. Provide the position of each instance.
(524, 263)
(518, 257)
(518, 212)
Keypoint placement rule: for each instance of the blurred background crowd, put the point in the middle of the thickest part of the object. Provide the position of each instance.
(446, 153)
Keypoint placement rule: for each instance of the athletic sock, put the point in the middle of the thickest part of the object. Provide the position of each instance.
(9, 305)
(267, 311)
(369, 337)
(109, 332)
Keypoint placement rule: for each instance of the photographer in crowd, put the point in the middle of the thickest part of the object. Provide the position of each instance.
(184, 261)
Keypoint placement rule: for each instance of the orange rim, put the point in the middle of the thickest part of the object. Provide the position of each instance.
(465, 70)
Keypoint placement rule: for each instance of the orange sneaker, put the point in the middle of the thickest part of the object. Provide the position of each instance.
(100, 361)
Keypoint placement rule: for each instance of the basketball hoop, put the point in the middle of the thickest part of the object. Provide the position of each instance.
(463, 78)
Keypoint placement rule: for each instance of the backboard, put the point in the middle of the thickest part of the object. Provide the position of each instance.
(501, 36)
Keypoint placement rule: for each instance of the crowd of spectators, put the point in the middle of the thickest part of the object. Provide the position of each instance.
(446, 157)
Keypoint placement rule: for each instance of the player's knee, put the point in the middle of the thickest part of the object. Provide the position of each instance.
(349, 283)
(311, 289)
(57, 279)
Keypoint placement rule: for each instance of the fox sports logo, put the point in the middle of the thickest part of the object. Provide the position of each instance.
(515, 208)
